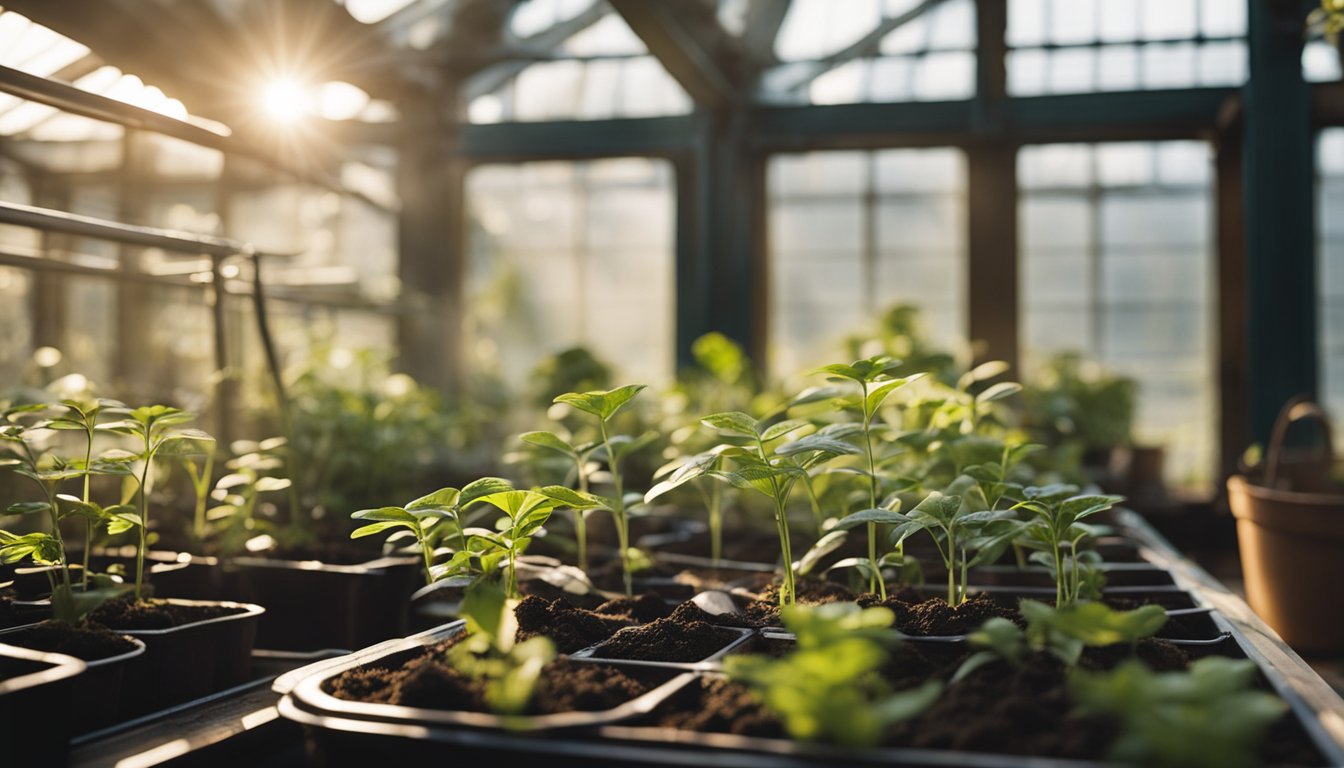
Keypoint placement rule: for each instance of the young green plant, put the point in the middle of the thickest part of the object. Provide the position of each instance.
(423, 517)
(605, 405)
(156, 428)
(830, 688)
(759, 469)
(876, 382)
(490, 652)
(579, 455)
(1057, 529)
(964, 537)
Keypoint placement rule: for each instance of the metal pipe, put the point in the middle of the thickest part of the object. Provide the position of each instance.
(49, 220)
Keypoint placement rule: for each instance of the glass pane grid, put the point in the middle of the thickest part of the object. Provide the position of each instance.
(1330, 223)
(1116, 263)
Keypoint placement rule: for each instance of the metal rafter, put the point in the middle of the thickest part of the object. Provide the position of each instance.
(763, 21)
(494, 77)
(686, 38)
(798, 74)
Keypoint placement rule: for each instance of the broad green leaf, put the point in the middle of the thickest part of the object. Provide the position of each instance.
(121, 522)
(814, 395)
(27, 507)
(776, 431)
(998, 392)
(572, 498)
(478, 489)
(602, 404)
(824, 546)
(1080, 507)
(939, 507)
(817, 442)
(982, 372)
(373, 528)
(386, 514)
(863, 517)
(732, 422)
(548, 440)
(840, 370)
(444, 499)
(271, 484)
(879, 394)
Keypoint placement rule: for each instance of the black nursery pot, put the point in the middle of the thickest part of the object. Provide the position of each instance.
(342, 732)
(192, 660)
(173, 574)
(98, 704)
(36, 690)
(312, 605)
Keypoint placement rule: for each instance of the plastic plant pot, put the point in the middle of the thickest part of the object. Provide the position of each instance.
(36, 690)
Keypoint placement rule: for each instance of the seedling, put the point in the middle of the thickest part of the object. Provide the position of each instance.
(605, 405)
(1207, 716)
(761, 470)
(239, 491)
(694, 470)
(830, 688)
(875, 379)
(964, 537)
(1063, 633)
(579, 455)
(424, 516)
(1056, 528)
(157, 428)
(509, 669)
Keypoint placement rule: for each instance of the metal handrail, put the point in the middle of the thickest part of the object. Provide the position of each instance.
(49, 220)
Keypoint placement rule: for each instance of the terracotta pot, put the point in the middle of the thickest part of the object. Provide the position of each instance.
(1292, 546)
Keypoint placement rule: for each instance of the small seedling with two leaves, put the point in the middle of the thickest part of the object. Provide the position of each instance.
(1057, 530)
(490, 652)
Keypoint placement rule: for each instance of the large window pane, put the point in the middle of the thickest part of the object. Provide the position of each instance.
(853, 233)
(1116, 263)
(562, 254)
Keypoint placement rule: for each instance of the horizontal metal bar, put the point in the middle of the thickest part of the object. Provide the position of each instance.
(577, 138)
(48, 220)
(68, 98)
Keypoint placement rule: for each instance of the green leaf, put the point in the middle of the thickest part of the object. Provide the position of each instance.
(271, 484)
(776, 431)
(817, 442)
(442, 500)
(373, 528)
(732, 422)
(840, 370)
(571, 498)
(824, 546)
(982, 372)
(998, 392)
(121, 522)
(385, 514)
(863, 517)
(27, 507)
(879, 394)
(602, 404)
(938, 507)
(479, 489)
(548, 440)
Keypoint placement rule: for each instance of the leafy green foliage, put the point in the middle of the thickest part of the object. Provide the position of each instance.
(1057, 529)
(964, 537)
(830, 688)
(1208, 715)
(509, 669)
(1062, 632)
(605, 405)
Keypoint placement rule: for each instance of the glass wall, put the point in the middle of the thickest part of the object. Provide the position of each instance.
(572, 253)
(853, 232)
(1084, 46)
(1117, 262)
(1330, 225)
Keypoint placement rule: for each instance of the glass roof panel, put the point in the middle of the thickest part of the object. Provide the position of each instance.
(816, 28)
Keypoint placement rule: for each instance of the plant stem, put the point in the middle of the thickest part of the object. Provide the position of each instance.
(1059, 576)
(427, 552)
(88, 524)
(618, 514)
(951, 569)
(875, 581)
(144, 516)
(715, 524)
(580, 524)
(787, 593)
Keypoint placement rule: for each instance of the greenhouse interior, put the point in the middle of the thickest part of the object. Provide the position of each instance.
(671, 382)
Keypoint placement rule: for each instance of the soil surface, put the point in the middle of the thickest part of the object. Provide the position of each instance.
(426, 680)
(999, 708)
(89, 642)
(681, 637)
(126, 614)
(571, 628)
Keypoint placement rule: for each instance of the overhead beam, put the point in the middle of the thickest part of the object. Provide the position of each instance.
(492, 78)
(763, 21)
(685, 37)
(576, 139)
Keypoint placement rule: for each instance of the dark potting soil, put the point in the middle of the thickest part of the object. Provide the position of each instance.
(764, 610)
(643, 609)
(677, 638)
(426, 680)
(571, 628)
(89, 642)
(929, 616)
(156, 614)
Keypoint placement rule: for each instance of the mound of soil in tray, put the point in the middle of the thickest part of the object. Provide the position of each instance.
(87, 642)
(643, 609)
(427, 681)
(764, 610)
(571, 628)
(156, 614)
(929, 616)
(676, 638)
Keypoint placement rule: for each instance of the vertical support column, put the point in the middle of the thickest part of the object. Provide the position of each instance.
(431, 239)
(138, 378)
(730, 272)
(1234, 430)
(1280, 216)
(992, 247)
(49, 288)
